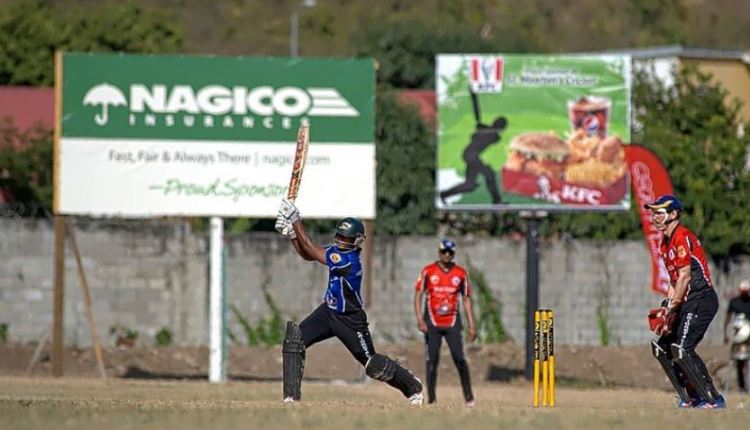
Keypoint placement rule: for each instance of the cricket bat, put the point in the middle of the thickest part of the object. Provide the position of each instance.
(300, 156)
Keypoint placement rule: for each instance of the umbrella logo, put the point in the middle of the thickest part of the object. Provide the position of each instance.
(105, 95)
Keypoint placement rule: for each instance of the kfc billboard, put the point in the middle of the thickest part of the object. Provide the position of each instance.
(531, 132)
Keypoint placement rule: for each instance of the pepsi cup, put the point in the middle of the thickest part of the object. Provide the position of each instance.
(591, 114)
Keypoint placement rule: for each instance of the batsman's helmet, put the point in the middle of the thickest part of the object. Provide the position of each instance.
(666, 202)
(352, 228)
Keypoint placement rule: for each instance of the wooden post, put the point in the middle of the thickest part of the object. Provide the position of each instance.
(59, 300)
(85, 292)
(369, 246)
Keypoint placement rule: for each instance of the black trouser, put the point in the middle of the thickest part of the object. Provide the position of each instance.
(741, 364)
(693, 320)
(433, 340)
(352, 330)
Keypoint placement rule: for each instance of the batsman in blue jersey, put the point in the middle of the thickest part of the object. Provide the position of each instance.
(341, 314)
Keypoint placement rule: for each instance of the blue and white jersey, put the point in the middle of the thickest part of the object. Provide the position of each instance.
(344, 280)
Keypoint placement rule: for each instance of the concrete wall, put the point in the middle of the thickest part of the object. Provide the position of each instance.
(146, 276)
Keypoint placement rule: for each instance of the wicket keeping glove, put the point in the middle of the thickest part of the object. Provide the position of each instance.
(661, 321)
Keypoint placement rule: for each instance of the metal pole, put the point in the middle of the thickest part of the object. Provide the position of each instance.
(294, 33)
(532, 288)
(369, 245)
(216, 302)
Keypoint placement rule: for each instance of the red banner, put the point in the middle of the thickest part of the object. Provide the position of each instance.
(650, 180)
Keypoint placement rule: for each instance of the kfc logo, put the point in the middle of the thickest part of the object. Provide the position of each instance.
(486, 74)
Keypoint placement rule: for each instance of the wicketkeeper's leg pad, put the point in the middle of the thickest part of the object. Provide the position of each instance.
(293, 353)
(668, 366)
(695, 371)
(382, 368)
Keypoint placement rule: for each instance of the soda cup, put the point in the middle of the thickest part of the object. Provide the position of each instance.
(591, 114)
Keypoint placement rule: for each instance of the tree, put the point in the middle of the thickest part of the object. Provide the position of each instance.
(26, 169)
(693, 127)
(405, 168)
(405, 49)
(31, 31)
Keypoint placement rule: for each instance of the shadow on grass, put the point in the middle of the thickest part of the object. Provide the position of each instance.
(507, 374)
(135, 372)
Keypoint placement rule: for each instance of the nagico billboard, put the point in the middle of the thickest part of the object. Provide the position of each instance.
(146, 135)
(532, 132)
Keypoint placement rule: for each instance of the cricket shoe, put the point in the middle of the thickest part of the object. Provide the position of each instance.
(471, 404)
(417, 399)
(290, 400)
(692, 403)
(720, 403)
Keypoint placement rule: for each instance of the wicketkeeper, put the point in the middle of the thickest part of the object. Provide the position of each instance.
(341, 314)
(686, 314)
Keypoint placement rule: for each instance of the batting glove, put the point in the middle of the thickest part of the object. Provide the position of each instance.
(289, 211)
(284, 227)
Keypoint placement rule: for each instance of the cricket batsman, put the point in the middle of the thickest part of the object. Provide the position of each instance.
(684, 317)
(341, 314)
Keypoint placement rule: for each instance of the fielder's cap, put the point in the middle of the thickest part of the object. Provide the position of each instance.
(666, 202)
(447, 245)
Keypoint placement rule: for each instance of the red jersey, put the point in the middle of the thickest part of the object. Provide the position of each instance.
(443, 289)
(684, 249)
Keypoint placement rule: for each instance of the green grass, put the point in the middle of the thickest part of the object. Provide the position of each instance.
(117, 404)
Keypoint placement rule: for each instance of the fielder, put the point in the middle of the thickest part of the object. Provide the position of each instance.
(445, 284)
(341, 314)
(687, 312)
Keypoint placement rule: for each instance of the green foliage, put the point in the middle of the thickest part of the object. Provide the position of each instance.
(489, 322)
(123, 336)
(268, 331)
(405, 168)
(163, 337)
(3, 333)
(694, 129)
(26, 167)
(31, 31)
(405, 49)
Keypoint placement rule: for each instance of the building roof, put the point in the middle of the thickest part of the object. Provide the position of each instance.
(424, 101)
(28, 106)
(679, 51)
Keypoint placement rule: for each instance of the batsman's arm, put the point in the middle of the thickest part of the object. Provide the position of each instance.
(680, 287)
(305, 247)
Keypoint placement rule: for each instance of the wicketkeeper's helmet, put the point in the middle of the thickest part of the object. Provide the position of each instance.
(666, 202)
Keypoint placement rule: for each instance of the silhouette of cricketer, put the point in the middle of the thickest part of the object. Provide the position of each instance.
(483, 136)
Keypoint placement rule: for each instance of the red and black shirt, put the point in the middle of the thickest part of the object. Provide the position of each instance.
(682, 249)
(444, 289)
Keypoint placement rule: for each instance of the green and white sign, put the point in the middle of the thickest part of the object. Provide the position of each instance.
(532, 132)
(144, 135)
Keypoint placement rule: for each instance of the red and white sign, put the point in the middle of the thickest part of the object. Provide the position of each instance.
(486, 74)
(650, 180)
(557, 191)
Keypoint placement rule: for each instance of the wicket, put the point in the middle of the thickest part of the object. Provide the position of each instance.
(544, 357)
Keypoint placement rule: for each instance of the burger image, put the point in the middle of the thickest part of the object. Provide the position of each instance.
(541, 154)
